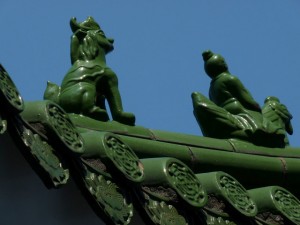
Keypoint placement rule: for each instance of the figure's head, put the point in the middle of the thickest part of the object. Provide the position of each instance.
(88, 24)
(271, 99)
(92, 34)
(214, 64)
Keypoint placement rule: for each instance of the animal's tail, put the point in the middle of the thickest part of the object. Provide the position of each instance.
(52, 92)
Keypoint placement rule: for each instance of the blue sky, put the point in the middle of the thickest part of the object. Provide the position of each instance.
(158, 46)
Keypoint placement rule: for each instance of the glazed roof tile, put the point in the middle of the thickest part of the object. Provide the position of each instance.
(159, 176)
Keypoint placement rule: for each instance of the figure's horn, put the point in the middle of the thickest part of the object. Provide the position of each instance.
(74, 25)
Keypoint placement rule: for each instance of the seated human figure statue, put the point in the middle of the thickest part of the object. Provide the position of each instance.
(225, 89)
(89, 82)
(231, 111)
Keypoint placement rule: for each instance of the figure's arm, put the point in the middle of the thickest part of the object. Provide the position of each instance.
(286, 116)
(239, 91)
(289, 128)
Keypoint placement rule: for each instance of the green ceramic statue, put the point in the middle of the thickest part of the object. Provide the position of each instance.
(89, 82)
(278, 114)
(232, 112)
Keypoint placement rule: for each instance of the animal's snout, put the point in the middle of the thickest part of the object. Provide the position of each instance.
(111, 40)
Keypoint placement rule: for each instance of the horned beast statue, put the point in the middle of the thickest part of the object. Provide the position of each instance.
(89, 82)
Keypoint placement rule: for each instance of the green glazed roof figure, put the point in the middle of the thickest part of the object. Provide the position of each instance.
(278, 114)
(227, 90)
(89, 82)
(232, 107)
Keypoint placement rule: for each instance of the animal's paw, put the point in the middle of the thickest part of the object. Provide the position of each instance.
(125, 118)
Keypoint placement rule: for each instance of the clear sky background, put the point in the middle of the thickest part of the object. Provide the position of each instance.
(158, 47)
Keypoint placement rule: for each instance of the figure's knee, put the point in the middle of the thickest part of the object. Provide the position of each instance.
(88, 97)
